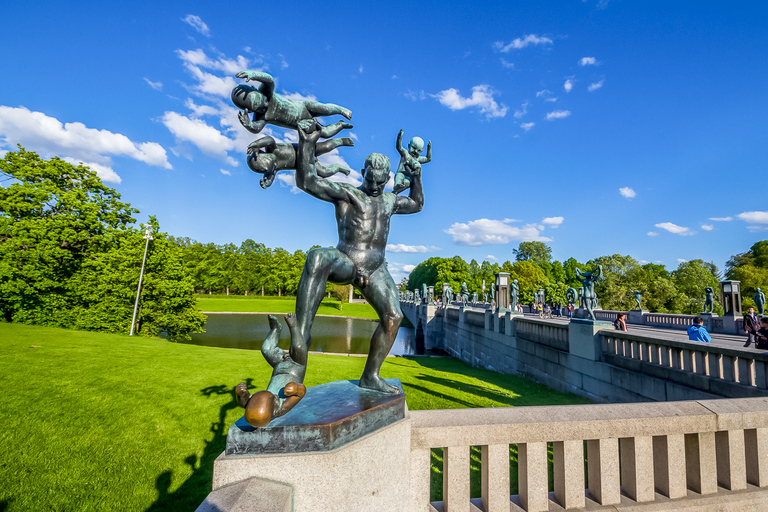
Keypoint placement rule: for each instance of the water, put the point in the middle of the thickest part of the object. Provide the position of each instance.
(329, 334)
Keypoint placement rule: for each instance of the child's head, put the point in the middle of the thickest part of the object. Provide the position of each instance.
(415, 147)
(247, 98)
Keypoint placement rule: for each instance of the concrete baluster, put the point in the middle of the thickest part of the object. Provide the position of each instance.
(756, 450)
(603, 468)
(742, 364)
(760, 375)
(568, 458)
(731, 462)
(532, 476)
(700, 462)
(637, 467)
(421, 470)
(495, 477)
(456, 478)
(669, 465)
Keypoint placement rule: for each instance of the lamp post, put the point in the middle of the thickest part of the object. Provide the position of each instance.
(147, 237)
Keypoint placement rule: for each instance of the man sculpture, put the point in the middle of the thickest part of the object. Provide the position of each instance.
(709, 301)
(514, 292)
(362, 217)
(638, 297)
(589, 297)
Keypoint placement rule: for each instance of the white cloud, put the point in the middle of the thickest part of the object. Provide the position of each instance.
(551, 100)
(208, 84)
(681, 260)
(482, 97)
(299, 96)
(588, 61)
(519, 43)
(568, 85)
(225, 172)
(394, 77)
(360, 69)
(595, 86)
(754, 217)
(627, 192)
(488, 231)
(652, 233)
(527, 126)
(75, 142)
(707, 227)
(408, 268)
(355, 178)
(415, 95)
(201, 59)
(283, 63)
(558, 114)
(721, 219)
(411, 248)
(491, 257)
(553, 222)
(674, 228)
(523, 110)
(208, 139)
(158, 86)
(507, 64)
(543, 92)
(198, 24)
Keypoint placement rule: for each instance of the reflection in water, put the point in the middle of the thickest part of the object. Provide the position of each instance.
(329, 334)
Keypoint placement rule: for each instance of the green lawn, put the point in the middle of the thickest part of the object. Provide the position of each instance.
(258, 304)
(106, 422)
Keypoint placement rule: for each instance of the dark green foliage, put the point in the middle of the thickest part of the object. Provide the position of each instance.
(70, 257)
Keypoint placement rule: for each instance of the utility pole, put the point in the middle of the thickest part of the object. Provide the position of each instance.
(147, 237)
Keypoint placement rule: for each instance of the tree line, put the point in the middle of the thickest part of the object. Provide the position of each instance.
(677, 291)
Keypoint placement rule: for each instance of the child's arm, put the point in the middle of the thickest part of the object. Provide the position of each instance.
(251, 126)
(399, 144)
(428, 158)
(267, 82)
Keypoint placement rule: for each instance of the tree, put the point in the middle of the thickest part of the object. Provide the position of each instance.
(70, 258)
(537, 252)
(690, 279)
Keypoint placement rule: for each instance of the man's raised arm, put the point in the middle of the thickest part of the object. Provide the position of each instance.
(415, 201)
(306, 171)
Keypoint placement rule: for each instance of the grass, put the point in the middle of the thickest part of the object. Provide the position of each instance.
(100, 422)
(258, 304)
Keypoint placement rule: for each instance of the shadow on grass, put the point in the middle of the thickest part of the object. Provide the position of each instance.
(190, 494)
(4, 505)
(472, 389)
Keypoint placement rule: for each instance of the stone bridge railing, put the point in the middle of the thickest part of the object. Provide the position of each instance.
(703, 455)
(551, 334)
(728, 372)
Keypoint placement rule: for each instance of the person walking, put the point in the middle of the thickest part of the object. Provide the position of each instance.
(697, 332)
(751, 326)
(620, 324)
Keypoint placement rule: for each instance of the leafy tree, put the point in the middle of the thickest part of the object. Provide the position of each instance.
(70, 258)
(690, 279)
(537, 252)
(529, 278)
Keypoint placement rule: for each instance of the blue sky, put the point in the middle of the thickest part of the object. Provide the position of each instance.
(599, 127)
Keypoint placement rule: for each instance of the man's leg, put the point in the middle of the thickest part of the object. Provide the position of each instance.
(321, 266)
(381, 293)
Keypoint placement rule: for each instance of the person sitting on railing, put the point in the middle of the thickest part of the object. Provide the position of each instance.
(762, 334)
(621, 323)
(697, 332)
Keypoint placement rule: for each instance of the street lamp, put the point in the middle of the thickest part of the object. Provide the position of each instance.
(147, 237)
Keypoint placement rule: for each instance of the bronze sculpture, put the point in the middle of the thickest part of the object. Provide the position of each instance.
(760, 301)
(514, 291)
(410, 161)
(638, 297)
(709, 301)
(588, 279)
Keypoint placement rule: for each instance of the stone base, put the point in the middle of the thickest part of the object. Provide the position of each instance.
(370, 473)
(251, 495)
(636, 317)
(329, 416)
(583, 340)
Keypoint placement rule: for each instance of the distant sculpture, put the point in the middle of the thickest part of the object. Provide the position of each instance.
(588, 279)
(709, 301)
(424, 292)
(760, 302)
(431, 296)
(485, 297)
(416, 297)
(464, 293)
(638, 297)
(571, 296)
(267, 157)
(447, 296)
(363, 218)
(514, 291)
(493, 295)
(474, 297)
(269, 107)
(410, 161)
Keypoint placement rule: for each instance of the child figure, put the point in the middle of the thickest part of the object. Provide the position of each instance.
(267, 157)
(410, 160)
(269, 107)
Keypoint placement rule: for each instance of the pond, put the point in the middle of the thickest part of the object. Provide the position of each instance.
(329, 334)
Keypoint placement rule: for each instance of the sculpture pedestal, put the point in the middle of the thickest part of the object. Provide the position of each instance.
(370, 471)
(635, 316)
(329, 416)
(583, 340)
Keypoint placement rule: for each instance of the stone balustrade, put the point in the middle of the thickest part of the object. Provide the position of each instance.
(697, 455)
(551, 334)
(723, 371)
